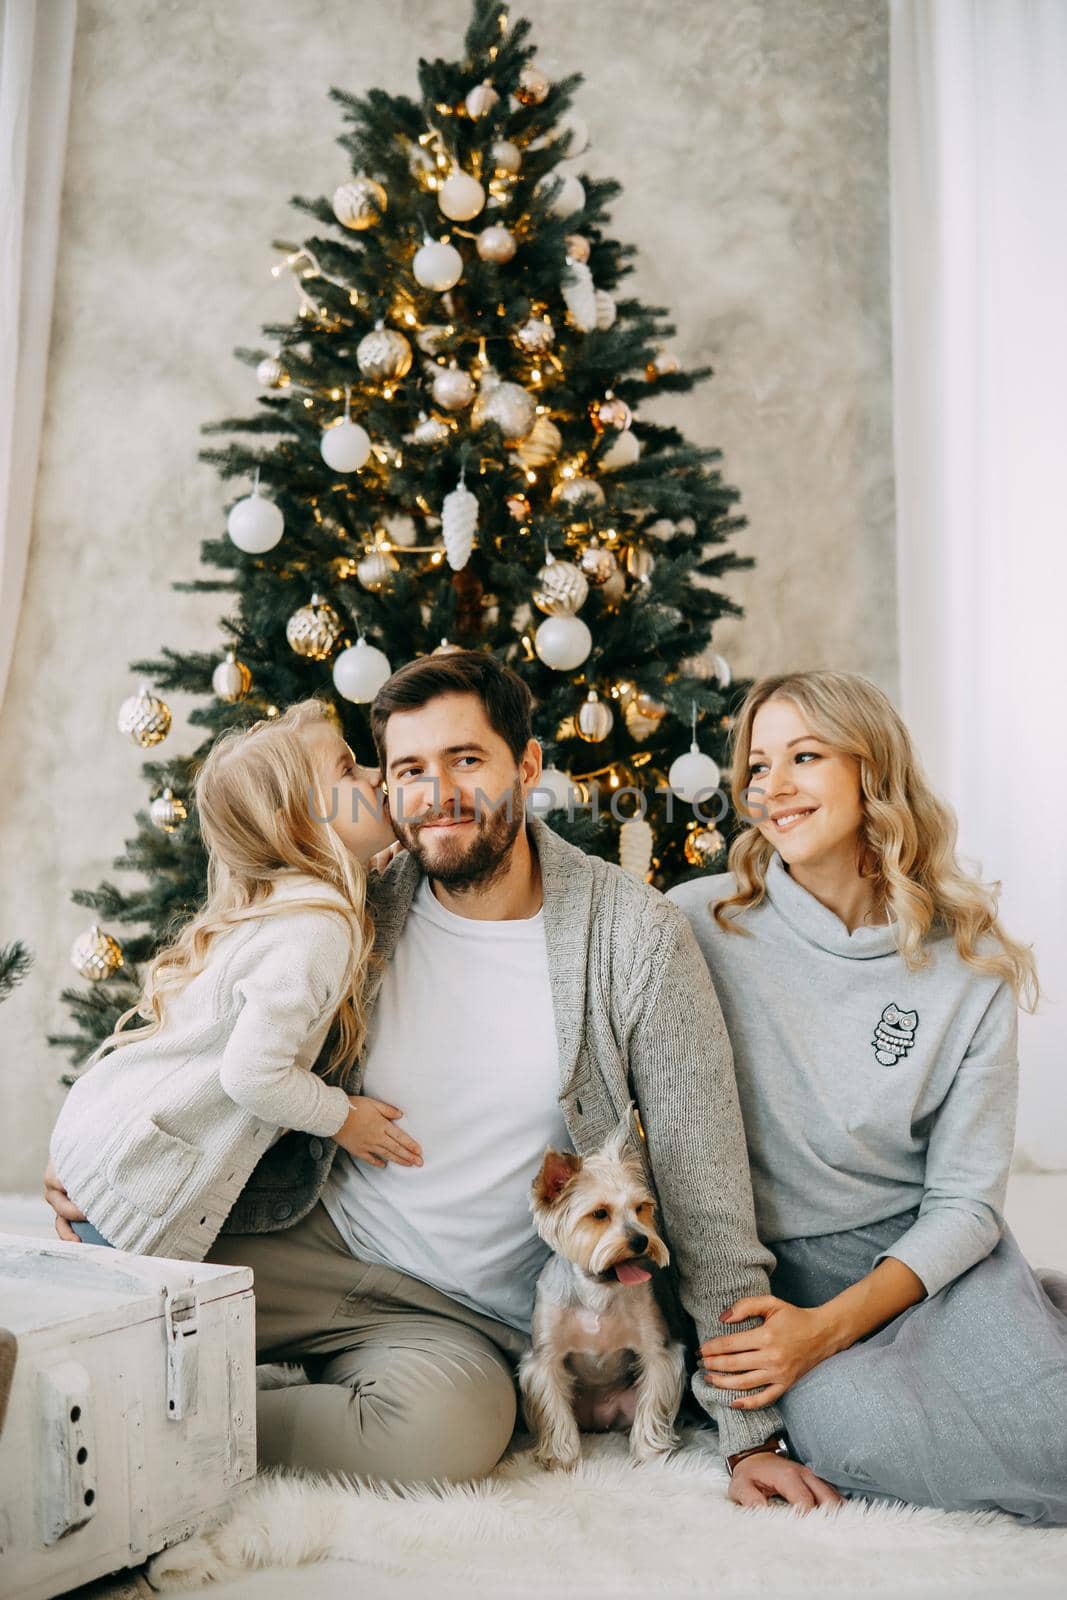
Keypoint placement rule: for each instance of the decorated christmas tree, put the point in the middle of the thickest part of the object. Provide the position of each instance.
(451, 450)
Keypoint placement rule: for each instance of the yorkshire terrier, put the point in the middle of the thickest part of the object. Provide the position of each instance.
(601, 1357)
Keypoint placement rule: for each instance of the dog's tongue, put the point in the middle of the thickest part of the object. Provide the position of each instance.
(630, 1272)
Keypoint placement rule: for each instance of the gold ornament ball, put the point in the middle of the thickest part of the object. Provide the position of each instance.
(377, 570)
(96, 955)
(314, 630)
(271, 374)
(611, 593)
(595, 720)
(496, 243)
(541, 445)
(639, 562)
(573, 491)
(533, 87)
(359, 204)
(167, 812)
(231, 679)
(145, 718)
(578, 247)
(383, 353)
(610, 413)
(536, 336)
(561, 589)
(598, 564)
(702, 845)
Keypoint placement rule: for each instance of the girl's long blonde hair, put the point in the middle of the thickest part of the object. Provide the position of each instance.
(908, 835)
(260, 806)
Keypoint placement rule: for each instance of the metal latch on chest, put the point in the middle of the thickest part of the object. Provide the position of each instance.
(181, 1320)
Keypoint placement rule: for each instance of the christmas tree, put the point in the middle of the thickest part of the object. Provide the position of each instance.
(447, 454)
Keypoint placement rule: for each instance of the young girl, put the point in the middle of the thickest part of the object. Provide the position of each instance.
(261, 992)
(870, 995)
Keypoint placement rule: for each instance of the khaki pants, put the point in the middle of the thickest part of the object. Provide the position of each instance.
(406, 1384)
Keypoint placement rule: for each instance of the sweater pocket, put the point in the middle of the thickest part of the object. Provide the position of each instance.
(151, 1167)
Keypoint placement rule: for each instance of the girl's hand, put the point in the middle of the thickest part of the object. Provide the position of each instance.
(369, 1135)
(789, 1342)
(379, 862)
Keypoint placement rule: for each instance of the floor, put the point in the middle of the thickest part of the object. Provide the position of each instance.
(1036, 1208)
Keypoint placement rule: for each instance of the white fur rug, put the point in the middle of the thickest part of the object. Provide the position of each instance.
(605, 1530)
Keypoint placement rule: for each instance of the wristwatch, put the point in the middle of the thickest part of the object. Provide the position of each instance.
(774, 1446)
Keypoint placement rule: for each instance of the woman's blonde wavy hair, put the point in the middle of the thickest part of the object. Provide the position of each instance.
(908, 837)
(261, 805)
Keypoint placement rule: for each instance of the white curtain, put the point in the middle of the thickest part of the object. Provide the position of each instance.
(978, 156)
(36, 48)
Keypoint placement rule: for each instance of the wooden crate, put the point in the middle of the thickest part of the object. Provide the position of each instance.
(132, 1412)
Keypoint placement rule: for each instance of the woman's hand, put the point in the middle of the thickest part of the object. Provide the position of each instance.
(789, 1342)
(379, 862)
(368, 1134)
(63, 1206)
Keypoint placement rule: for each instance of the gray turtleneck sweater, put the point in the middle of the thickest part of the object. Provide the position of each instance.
(866, 1089)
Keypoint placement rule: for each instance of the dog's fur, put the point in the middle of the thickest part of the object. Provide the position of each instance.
(601, 1355)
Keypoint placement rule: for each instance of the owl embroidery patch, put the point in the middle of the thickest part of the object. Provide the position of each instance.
(894, 1035)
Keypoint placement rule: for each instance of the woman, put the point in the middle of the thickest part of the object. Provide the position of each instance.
(871, 995)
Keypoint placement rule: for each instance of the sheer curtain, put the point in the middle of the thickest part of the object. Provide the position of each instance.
(978, 147)
(36, 48)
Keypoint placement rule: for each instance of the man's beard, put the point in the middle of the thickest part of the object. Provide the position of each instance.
(478, 857)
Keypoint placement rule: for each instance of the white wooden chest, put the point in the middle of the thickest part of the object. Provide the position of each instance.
(132, 1412)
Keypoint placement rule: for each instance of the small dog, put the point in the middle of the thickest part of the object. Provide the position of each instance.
(601, 1355)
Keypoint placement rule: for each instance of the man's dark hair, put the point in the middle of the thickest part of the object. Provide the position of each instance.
(507, 700)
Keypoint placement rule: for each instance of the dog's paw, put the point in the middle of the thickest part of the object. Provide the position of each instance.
(652, 1446)
(563, 1462)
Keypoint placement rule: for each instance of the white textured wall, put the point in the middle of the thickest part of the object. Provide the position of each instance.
(751, 141)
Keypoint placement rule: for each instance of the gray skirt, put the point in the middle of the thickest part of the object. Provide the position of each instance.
(960, 1402)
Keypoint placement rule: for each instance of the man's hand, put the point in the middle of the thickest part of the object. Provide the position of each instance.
(63, 1206)
(761, 1478)
(769, 1358)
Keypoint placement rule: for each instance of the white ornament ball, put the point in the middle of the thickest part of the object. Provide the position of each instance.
(345, 447)
(377, 570)
(461, 197)
(383, 353)
(623, 451)
(433, 338)
(594, 720)
(565, 193)
(537, 335)
(578, 129)
(533, 87)
(606, 309)
(563, 643)
(231, 679)
(453, 388)
(694, 776)
(481, 100)
(562, 589)
(663, 529)
(507, 158)
(359, 204)
(496, 244)
(270, 373)
(554, 791)
(360, 671)
(255, 524)
(635, 847)
(401, 530)
(438, 266)
(574, 491)
(509, 405)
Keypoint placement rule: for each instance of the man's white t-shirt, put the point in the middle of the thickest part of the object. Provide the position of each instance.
(463, 1040)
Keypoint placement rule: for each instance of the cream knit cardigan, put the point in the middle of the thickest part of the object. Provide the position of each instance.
(157, 1139)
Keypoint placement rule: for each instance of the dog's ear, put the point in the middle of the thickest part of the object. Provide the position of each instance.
(557, 1170)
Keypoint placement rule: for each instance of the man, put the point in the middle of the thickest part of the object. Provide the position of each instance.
(526, 994)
